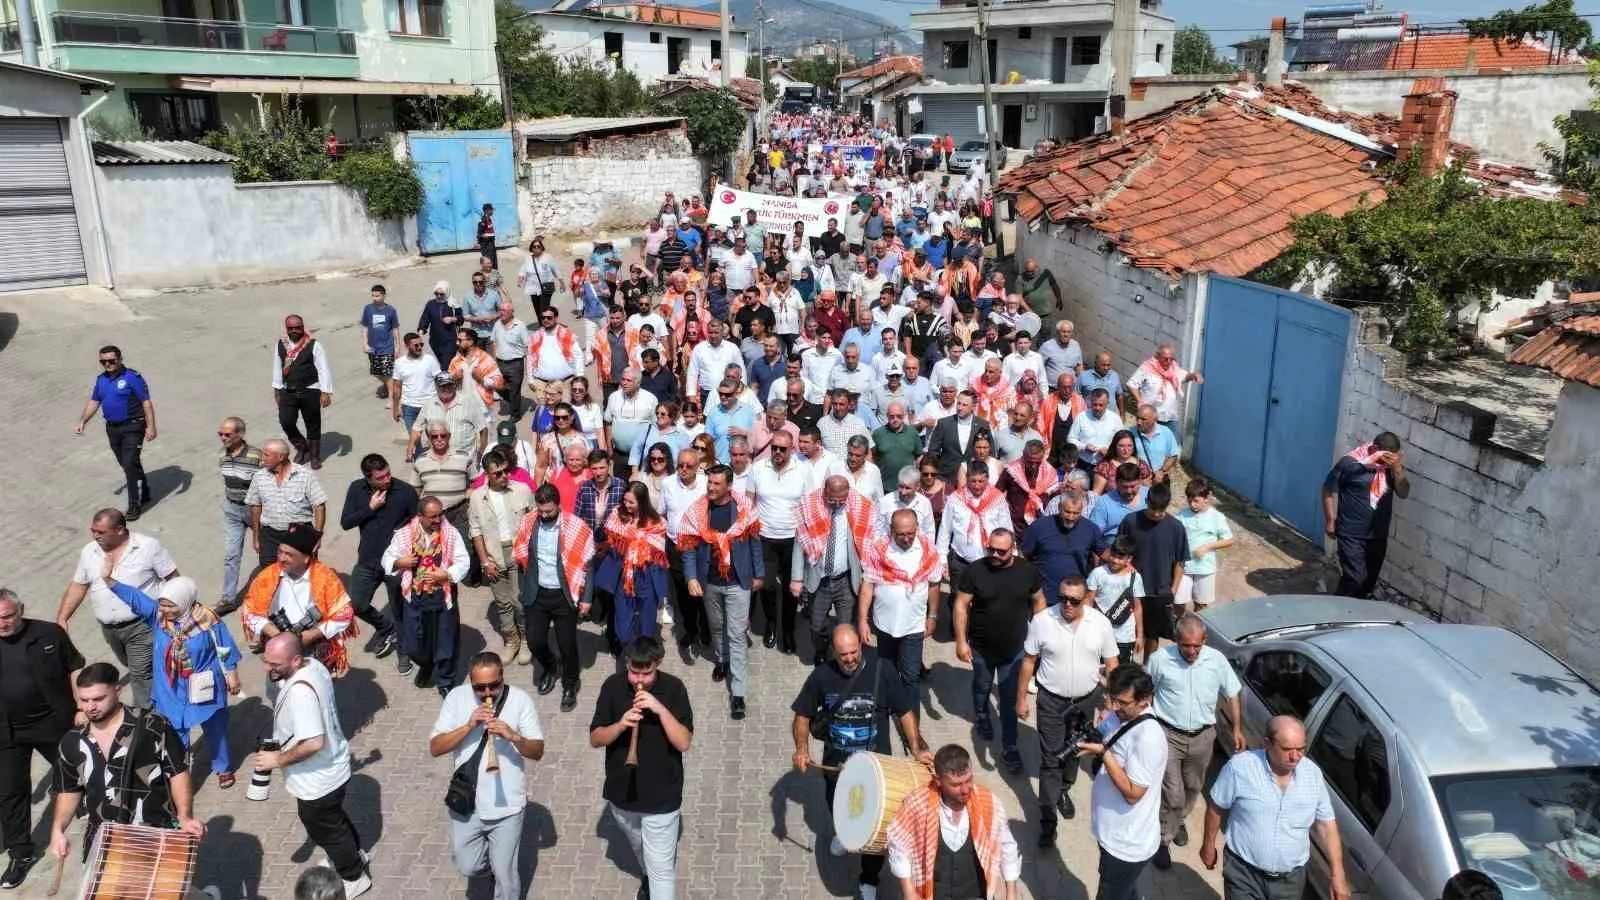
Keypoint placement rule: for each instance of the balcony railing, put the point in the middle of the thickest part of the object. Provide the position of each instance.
(74, 27)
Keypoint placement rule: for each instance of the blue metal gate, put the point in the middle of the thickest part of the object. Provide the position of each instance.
(460, 171)
(1269, 413)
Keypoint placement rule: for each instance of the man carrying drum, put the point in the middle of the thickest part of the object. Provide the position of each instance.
(846, 703)
(983, 864)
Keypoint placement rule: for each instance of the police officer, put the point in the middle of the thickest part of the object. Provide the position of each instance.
(123, 399)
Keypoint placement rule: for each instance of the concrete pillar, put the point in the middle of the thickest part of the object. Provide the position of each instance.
(1273, 73)
(1124, 57)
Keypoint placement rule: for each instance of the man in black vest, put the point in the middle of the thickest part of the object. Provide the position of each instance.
(302, 383)
(37, 660)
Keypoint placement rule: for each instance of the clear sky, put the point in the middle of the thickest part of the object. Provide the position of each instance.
(1235, 20)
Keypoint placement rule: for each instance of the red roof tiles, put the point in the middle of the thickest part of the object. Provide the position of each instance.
(1214, 182)
(1570, 349)
(1460, 51)
(902, 64)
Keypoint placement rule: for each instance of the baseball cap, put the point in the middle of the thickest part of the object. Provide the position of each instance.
(444, 378)
(893, 369)
(506, 433)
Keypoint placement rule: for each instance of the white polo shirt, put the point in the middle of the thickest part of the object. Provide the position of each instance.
(899, 609)
(1070, 654)
(676, 500)
(145, 564)
(500, 793)
(778, 495)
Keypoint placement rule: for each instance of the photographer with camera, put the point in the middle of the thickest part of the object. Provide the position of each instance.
(302, 596)
(1070, 647)
(1125, 801)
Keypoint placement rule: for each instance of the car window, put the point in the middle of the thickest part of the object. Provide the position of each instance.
(1533, 832)
(1354, 759)
(1287, 682)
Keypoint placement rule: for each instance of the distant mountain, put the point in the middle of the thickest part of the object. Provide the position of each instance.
(800, 23)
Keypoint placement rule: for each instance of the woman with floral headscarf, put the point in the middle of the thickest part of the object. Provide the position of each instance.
(197, 664)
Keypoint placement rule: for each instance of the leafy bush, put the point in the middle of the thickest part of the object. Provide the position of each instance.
(475, 112)
(390, 188)
(117, 122)
(290, 148)
(715, 119)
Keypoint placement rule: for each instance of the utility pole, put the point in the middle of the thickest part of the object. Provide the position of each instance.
(27, 32)
(727, 77)
(989, 125)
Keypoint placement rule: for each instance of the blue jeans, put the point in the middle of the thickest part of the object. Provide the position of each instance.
(984, 675)
(235, 522)
(904, 653)
(408, 416)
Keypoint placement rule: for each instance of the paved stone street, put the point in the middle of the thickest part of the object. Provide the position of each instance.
(752, 826)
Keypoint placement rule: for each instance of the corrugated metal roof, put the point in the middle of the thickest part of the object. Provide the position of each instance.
(138, 153)
(565, 128)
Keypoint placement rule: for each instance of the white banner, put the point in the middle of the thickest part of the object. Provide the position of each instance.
(777, 214)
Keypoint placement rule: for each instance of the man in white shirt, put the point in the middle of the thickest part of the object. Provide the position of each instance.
(485, 709)
(900, 596)
(510, 345)
(1159, 381)
(850, 374)
(865, 479)
(956, 365)
(738, 266)
(1023, 358)
(891, 357)
(629, 413)
(678, 493)
(970, 515)
(1094, 428)
(816, 367)
(411, 381)
(780, 482)
(553, 355)
(1125, 801)
(905, 496)
(313, 754)
(1069, 649)
(710, 359)
(942, 406)
(818, 461)
(978, 860)
(138, 560)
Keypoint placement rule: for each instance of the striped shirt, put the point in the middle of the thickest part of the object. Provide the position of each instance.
(445, 478)
(1270, 828)
(284, 504)
(237, 471)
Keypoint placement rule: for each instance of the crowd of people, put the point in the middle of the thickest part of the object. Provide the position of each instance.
(840, 445)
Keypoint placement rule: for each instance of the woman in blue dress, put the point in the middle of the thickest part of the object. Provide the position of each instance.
(197, 664)
(634, 567)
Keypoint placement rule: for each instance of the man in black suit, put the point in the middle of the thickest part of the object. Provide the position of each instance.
(950, 443)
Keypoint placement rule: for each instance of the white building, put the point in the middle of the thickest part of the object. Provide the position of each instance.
(651, 50)
(1052, 64)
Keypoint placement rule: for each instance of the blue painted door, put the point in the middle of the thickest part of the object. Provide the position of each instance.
(460, 171)
(1274, 362)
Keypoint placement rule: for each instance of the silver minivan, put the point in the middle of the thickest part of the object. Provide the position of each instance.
(1445, 746)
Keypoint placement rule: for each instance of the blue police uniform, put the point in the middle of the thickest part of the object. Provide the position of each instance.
(121, 398)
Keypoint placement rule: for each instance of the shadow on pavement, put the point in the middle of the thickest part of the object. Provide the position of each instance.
(1180, 881)
(229, 859)
(838, 874)
(336, 444)
(359, 697)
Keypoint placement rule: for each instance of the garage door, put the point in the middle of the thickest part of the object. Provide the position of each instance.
(957, 118)
(39, 245)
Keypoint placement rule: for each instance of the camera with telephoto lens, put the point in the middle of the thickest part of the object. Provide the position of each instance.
(261, 779)
(1080, 729)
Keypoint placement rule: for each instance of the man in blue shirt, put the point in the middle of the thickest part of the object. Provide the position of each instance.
(1114, 506)
(1101, 376)
(1155, 443)
(123, 399)
(1357, 505)
(1063, 545)
(729, 418)
(379, 321)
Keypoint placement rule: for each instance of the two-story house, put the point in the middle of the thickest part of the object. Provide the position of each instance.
(186, 67)
(652, 41)
(1050, 64)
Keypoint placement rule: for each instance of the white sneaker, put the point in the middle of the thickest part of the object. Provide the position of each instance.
(354, 889)
(665, 618)
(835, 848)
(1033, 685)
(868, 891)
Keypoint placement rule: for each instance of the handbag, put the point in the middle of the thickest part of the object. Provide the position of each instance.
(461, 797)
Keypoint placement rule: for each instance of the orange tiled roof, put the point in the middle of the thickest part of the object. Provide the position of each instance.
(885, 65)
(1570, 349)
(1453, 51)
(1210, 184)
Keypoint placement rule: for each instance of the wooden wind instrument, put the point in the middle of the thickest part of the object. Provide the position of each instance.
(633, 740)
(491, 758)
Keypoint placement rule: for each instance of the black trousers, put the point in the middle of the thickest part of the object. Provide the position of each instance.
(691, 610)
(550, 610)
(127, 443)
(1119, 879)
(365, 577)
(329, 827)
(871, 864)
(780, 557)
(16, 783)
(543, 300)
(511, 372)
(1360, 561)
(487, 248)
(1058, 770)
(294, 405)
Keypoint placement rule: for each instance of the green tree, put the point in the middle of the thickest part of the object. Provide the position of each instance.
(1577, 161)
(715, 119)
(818, 70)
(1555, 21)
(541, 85)
(752, 69)
(1436, 244)
(1194, 54)
(289, 148)
(521, 56)
(472, 112)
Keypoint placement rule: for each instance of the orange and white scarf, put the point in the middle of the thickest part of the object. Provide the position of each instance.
(433, 550)
(564, 337)
(481, 371)
(977, 531)
(1171, 376)
(993, 399)
(916, 827)
(1050, 414)
(1041, 485)
(602, 354)
(882, 570)
(1380, 475)
(638, 544)
(814, 524)
(696, 530)
(576, 548)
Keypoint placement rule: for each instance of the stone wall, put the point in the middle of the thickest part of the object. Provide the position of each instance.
(187, 225)
(1113, 306)
(1488, 534)
(603, 182)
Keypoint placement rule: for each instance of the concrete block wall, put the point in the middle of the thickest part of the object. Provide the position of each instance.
(1113, 306)
(1488, 535)
(580, 193)
(188, 225)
